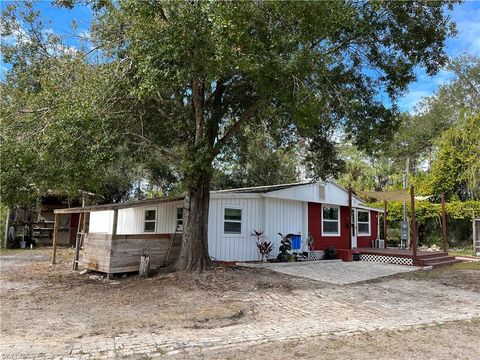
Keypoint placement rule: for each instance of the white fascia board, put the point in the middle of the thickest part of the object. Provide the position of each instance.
(371, 208)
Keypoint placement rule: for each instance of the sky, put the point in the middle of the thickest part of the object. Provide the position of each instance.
(466, 15)
(467, 18)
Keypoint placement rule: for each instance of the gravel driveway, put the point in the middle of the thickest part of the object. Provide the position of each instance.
(335, 271)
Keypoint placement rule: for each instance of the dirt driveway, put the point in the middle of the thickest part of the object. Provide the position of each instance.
(52, 311)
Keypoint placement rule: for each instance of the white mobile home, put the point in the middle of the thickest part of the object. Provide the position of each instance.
(118, 233)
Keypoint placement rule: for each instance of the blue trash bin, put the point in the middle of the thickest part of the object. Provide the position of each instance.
(296, 242)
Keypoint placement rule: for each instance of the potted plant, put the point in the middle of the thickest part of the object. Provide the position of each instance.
(285, 248)
(330, 253)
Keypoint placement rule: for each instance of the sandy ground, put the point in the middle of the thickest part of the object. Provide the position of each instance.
(232, 312)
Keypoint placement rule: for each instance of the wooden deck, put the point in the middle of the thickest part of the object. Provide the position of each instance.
(398, 252)
(424, 258)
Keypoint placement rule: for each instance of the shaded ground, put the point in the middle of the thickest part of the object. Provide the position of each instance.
(53, 310)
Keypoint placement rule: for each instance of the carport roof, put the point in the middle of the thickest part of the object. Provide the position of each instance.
(117, 206)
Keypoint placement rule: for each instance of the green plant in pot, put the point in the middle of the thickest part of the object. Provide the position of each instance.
(284, 254)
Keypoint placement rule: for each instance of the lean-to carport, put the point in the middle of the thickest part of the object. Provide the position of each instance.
(114, 251)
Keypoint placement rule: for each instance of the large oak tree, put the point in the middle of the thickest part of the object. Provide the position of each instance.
(186, 77)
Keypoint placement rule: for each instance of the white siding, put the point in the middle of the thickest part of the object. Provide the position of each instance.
(286, 217)
(271, 215)
(307, 192)
(101, 222)
(131, 220)
(227, 247)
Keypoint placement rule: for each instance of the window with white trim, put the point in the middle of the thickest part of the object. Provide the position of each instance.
(179, 218)
(232, 221)
(150, 220)
(330, 220)
(363, 222)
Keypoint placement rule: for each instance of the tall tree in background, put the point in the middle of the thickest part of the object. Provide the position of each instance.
(456, 168)
(186, 77)
(254, 159)
(452, 103)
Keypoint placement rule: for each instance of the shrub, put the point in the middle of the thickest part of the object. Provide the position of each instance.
(264, 247)
(330, 253)
(285, 248)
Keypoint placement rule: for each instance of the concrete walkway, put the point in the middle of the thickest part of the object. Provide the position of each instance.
(335, 271)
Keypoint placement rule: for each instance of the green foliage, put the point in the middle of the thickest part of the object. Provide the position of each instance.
(255, 160)
(175, 82)
(58, 126)
(456, 169)
(417, 136)
(297, 67)
(425, 210)
(284, 254)
(365, 173)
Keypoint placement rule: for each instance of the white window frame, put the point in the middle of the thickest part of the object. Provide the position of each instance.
(145, 221)
(359, 233)
(236, 207)
(328, 220)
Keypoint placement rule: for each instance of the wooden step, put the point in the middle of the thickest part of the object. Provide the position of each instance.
(433, 254)
(437, 259)
(446, 262)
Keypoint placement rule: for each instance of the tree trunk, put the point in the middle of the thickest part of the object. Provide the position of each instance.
(194, 253)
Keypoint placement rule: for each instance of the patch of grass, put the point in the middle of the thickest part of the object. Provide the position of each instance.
(472, 265)
(461, 252)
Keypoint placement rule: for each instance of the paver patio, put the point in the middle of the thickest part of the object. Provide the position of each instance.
(335, 271)
(393, 304)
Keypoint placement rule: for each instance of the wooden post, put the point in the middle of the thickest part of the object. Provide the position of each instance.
(7, 225)
(385, 214)
(414, 225)
(144, 264)
(55, 239)
(84, 225)
(114, 234)
(115, 221)
(350, 212)
(444, 224)
(78, 238)
(474, 234)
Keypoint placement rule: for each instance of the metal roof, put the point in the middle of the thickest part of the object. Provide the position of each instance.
(263, 189)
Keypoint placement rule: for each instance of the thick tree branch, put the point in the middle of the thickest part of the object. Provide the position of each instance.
(235, 127)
